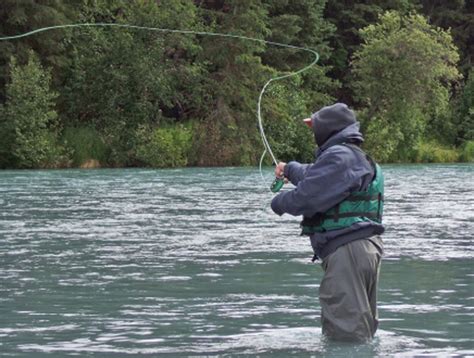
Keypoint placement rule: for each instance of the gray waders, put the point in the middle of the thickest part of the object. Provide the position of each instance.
(348, 291)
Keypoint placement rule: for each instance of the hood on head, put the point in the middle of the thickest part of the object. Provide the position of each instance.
(330, 120)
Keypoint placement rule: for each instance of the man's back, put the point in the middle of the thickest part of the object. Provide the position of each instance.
(339, 170)
(340, 197)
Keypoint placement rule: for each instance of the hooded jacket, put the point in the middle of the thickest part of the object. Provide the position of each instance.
(337, 171)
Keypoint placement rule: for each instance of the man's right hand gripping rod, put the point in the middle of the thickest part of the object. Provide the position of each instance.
(279, 178)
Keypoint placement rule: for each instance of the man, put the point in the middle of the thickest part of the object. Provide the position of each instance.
(340, 197)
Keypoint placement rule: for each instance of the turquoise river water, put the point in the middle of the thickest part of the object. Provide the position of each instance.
(192, 262)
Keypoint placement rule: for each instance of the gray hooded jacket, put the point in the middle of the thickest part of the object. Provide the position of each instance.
(337, 171)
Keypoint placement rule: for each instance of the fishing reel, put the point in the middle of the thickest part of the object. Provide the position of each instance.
(277, 184)
(279, 179)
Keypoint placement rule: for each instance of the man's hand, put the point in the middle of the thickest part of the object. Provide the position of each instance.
(279, 169)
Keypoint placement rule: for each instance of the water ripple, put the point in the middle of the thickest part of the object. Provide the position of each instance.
(193, 261)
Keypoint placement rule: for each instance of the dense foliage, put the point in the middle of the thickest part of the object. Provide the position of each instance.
(28, 121)
(403, 73)
(128, 97)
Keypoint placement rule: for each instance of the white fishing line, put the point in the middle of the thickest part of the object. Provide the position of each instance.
(266, 145)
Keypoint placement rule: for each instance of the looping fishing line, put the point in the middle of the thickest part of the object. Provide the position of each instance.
(266, 145)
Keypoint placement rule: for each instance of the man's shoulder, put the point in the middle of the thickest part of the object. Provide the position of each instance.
(346, 158)
(338, 151)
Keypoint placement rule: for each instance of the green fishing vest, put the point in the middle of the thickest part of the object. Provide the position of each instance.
(357, 207)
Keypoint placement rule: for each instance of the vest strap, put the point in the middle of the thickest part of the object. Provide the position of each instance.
(365, 197)
(380, 200)
(367, 214)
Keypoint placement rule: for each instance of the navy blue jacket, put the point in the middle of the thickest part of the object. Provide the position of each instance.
(337, 171)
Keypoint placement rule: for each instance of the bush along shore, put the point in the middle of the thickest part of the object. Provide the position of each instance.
(94, 97)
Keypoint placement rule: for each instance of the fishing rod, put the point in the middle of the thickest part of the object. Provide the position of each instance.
(279, 181)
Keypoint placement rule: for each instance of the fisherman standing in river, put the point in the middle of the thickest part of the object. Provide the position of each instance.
(340, 196)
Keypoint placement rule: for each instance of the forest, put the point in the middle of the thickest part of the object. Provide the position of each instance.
(116, 97)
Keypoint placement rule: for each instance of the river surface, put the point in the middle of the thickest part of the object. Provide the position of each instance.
(192, 262)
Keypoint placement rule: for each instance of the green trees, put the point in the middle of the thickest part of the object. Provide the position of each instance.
(464, 120)
(465, 112)
(28, 120)
(22, 16)
(299, 23)
(127, 97)
(403, 71)
(122, 79)
(165, 147)
(234, 73)
(237, 70)
(348, 17)
(457, 16)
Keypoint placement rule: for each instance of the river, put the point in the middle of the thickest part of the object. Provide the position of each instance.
(192, 262)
